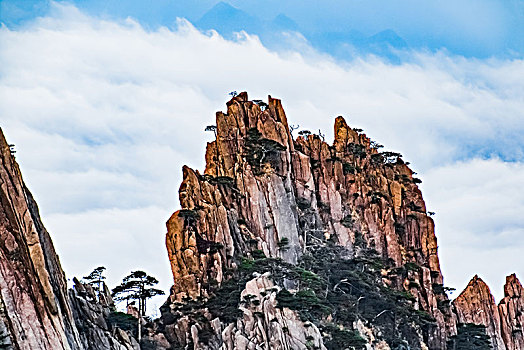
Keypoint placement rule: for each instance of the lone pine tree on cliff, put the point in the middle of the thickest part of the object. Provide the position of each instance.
(96, 278)
(137, 286)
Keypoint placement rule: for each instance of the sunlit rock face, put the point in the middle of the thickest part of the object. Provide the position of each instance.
(511, 311)
(263, 188)
(36, 309)
(503, 322)
(477, 305)
(235, 206)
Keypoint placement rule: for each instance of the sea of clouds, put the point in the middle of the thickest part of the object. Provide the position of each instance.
(105, 113)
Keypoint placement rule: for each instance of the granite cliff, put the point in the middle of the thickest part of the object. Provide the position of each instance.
(292, 243)
(282, 242)
(266, 198)
(503, 322)
(37, 311)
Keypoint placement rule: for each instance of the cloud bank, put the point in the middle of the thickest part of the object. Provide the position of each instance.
(473, 28)
(104, 114)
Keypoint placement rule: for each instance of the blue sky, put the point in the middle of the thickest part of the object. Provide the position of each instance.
(471, 28)
(105, 103)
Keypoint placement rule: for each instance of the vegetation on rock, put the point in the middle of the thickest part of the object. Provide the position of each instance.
(259, 150)
(96, 278)
(470, 337)
(137, 286)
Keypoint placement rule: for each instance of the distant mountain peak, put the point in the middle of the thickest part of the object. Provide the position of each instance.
(225, 18)
(390, 37)
(224, 6)
(281, 21)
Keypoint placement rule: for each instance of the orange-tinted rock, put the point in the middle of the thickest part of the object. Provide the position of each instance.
(29, 304)
(477, 305)
(511, 310)
(348, 192)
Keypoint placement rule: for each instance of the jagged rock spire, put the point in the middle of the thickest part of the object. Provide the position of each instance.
(261, 189)
(504, 322)
(477, 305)
(511, 311)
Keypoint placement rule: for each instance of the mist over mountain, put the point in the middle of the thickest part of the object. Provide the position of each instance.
(283, 231)
(344, 29)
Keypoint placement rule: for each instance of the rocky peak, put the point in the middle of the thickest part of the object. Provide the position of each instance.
(477, 305)
(513, 287)
(264, 192)
(504, 322)
(244, 201)
(511, 310)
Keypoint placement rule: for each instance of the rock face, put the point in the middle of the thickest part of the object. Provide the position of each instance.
(503, 322)
(235, 208)
(477, 305)
(36, 309)
(91, 314)
(264, 321)
(281, 243)
(263, 190)
(511, 311)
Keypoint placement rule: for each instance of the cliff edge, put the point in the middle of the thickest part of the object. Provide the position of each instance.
(266, 198)
(37, 311)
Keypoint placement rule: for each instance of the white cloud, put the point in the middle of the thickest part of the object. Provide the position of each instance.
(480, 227)
(104, 114)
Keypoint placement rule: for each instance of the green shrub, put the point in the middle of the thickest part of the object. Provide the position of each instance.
(443, 305)
(343, 338)
(357, 150)
(123, 321)
(258, 254)
(222, 180)
(259, 150)
(347, 221)
(411, 266)
(470, 337)
(189, 215)
(306, 302)
(284, 243)
(348, 168)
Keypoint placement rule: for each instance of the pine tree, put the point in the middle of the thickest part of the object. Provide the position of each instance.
(138, 286)
(96, 278)
(470, 337)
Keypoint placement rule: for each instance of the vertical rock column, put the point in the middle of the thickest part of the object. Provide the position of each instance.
(244, 201)
(477, 305)
(511, 310)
